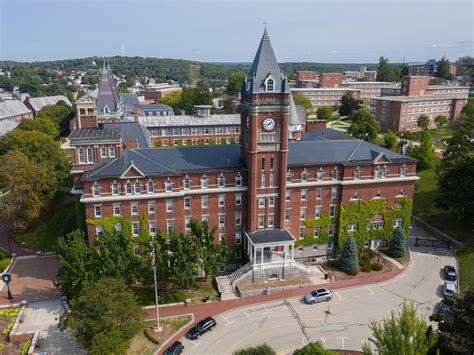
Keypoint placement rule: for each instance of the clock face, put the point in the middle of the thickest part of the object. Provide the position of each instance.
(268, 124)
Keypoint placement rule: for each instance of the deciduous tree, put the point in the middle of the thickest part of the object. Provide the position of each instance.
(364, 126)
(61, 114)
(324, 113)
(405, 333)
(41, 124)
(104, 317)
(234, 83)
(313, 348)
(441, 121)
(424, 152)
(390, 139)
(348, 104)
(262, 349)
(184, 259)
(301, 100)
(423, 121)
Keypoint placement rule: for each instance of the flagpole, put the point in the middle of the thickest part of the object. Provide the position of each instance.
(153, 265)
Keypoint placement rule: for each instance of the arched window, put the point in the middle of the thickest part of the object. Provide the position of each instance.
(334, 174)
(320, 174)
(81, 155)
(186, 183)
(221, 181)
(403, 170)
(168, 186)
(272, 163)
(401, 194)
(271, 180)
(90, 157)
(263, 163)
(355, 197)
(356, 173)
(95, 190)
(204, 182)
(304, 176)
(115, 189)
(128, 188)
(378, 195)
(106, 109)
(269, 85)
(138, 188)
(112, 152)
(238, 180)
(150, 187)
(103, 152)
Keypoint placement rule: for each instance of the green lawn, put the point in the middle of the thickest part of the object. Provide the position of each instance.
(466, 267)
(52, 224)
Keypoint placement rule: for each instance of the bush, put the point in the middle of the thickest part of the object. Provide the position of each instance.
(262, 349)
(25, 347)
(377, 266)
(333, 263)
(352, 271)
(4, 264)
(365, 265)
(150, 336)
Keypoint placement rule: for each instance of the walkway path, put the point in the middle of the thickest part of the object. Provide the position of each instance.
(15, 247)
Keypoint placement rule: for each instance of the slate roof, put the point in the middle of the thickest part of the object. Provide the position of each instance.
(297, 113)
(316, 149)
(187, 121)
(96, 133)
(12, 108)
(108, 95)
(172, 161)
(271, 236)
(130, 99)
(132, 131)
(6, 126)
(37, 103)
(265, 64)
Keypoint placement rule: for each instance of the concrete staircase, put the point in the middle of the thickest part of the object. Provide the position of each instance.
(226, 284)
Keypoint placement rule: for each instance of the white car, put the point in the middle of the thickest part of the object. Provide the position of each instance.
(450, 288)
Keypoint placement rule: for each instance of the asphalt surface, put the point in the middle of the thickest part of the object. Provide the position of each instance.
(341, 323)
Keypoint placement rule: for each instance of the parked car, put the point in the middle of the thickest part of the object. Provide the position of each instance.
(175, 349)
(444, 307)
(450, 273)
(319, 295)
(202, 327)
(450, 288)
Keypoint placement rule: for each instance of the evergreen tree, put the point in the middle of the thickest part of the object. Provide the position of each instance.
(423, 122)
(349, 260)
(397, 246)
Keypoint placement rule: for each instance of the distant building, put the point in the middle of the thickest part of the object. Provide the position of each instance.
(401, 112)
(422, 68)
(369, 75)
(12, 112)
(35, 104)
(157, 91)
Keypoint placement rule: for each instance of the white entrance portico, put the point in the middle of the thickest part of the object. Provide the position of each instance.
(270, 247)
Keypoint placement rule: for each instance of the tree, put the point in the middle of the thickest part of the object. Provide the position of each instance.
(364, 126)
(423, 122)
(234, 83)
(173, 99)
(41, 124)
(104, 317)
(313, 348)
(455, 330)
(405, 333)
(184, 259)
(61, 114)
(77, 265)
(162, 257)
(203, 94)
(385, 72)
(398, 247)
(324, 113)
(302, 100)
(348, 104)
(29, 184)
(441, 121)
(211, 255)
(423, 152)
(442, 69)
(262, 349)
(349, 260)
(390, 139)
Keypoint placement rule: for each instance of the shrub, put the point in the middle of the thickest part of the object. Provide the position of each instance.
(25, 347)
(262, 349)
(333, 263)
(377, 266)
(365, 265)
(370, 254)
(150, 336)
(4, 264)
(9, 312)
(353, 271)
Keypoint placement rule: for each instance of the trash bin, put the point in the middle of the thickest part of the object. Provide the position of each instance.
(326, 276)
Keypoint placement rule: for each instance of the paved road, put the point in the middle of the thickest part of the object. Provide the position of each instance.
(341, 323)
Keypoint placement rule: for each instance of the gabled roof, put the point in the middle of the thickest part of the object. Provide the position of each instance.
(12, 108)
(37, 103)
(264, 66)
(94, 93)
(132, 132)
(108, 95)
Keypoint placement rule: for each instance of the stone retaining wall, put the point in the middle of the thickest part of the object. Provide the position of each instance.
(435, 232)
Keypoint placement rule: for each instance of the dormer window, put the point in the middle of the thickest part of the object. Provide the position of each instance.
(204, 182)
(106, 109)
(221, 181)
(304, 176)
(335, 173)
(186, 183)
(138, 189)
(269, 85)
(238, 180)
(403, 170)
(320, 174)
(356, 173)
(150, 187)
(378, 195)
(95, 190)
(168, 186)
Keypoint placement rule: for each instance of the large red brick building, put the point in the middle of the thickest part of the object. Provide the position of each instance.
(260, 193)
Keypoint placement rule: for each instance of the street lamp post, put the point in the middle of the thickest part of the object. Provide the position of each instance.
(153, 265)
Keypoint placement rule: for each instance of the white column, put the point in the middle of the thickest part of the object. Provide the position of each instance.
(261, 257)
(254, 255)
(292, 254)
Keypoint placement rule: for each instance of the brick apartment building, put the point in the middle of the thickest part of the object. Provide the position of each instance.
(327, 89)
(401, 112)
(260, 192)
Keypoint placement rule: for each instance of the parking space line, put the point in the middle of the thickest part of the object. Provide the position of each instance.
(247, 314)
(195, 343)
(370, 291)
(342, 341)
(339, 296)
(356, 296)
(228, 322)
(266, 310)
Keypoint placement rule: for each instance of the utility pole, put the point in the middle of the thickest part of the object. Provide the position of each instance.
(153, 265)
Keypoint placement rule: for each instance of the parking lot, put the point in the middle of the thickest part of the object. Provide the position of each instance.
(341, 323)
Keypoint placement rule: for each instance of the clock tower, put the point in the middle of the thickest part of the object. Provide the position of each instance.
(265, 110)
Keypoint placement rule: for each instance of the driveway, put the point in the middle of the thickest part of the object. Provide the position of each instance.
(43, 316)
(341, 323)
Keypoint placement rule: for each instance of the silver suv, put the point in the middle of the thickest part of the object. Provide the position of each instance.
(319, 295)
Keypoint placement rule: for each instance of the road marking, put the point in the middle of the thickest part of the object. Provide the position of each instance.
(342, 341)
(228, 322)
(356, 296)
(370, 291)
(195, 343)
(247, 314)
(339, 296)
(266, 310)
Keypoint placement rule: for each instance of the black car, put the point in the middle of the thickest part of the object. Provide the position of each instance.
(175, 349)
(450, 273)
(202, 327)
(444, 307)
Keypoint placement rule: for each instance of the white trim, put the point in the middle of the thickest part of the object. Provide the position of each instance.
(351, 182)
(128, 169)
(165, 195)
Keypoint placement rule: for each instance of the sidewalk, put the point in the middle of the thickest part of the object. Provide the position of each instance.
(201, 311)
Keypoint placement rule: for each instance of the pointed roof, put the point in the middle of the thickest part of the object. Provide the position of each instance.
(108, 95)
(265, 65)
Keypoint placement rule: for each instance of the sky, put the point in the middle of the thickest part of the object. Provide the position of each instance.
(328, 31)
